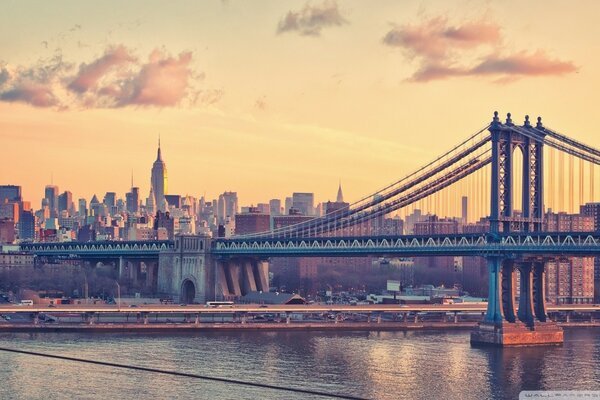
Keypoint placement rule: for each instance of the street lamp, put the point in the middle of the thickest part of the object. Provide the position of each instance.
(118, 296)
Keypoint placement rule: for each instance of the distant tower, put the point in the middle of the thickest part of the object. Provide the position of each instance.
(340, 196)
(151, 203)
(159, 179)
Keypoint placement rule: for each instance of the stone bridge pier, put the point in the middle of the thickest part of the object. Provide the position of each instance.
(237, 277)
(190, 273)
(140, 274)
(507, 324)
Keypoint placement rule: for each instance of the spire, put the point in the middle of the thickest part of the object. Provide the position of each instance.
(159, 156)
(132, 179)
(340, 196)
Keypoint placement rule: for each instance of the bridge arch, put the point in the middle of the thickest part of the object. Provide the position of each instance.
(188, 291)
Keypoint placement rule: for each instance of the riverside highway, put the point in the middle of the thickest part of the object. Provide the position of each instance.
(255, 308)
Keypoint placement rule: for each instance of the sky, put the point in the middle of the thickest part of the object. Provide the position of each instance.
(270, 97)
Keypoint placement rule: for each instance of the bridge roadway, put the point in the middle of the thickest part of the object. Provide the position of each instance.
(482, 244)
(262, 309)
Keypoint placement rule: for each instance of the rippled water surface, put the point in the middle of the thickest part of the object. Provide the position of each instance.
(418, 365)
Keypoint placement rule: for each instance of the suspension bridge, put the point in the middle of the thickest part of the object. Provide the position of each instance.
(503, 163)
(512, 175)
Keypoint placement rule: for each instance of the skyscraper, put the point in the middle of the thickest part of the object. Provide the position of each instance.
(227, 206)
(65, 202)
(83, 208)
(159, 179)
(132, 199)
(275, 207)
(304, 202)
(340, 196)
(10, 193)
(51, 195)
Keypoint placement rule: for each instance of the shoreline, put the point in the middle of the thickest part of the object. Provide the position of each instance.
(267, 327)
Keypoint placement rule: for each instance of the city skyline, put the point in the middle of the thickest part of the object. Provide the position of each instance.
(309, 114)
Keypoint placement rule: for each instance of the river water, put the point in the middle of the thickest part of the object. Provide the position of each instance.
(387, 365)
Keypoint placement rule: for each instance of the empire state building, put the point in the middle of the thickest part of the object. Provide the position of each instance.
(159, 180)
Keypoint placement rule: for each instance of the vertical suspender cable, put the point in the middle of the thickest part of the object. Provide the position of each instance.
(592, 194)
(581, 199)
(551, 185)
(571, 183)
(561, 181)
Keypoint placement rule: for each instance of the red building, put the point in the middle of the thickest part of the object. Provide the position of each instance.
(570, 280)
(252, 222)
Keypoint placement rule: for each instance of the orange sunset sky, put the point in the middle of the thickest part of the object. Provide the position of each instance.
(270, 97)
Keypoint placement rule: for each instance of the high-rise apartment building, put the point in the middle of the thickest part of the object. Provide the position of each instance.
(593, 210)
(254, 221)
(159, 180)
(569, 280)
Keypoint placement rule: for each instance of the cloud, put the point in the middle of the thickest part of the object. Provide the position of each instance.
(443, 50)
(4, 76)
(115, 79)
(90, 74)
(34, 84)
(435, 39)
(312, 19)
(36, 94)
(522, 63)
(506, 69)
(163, 81)
(261, 103)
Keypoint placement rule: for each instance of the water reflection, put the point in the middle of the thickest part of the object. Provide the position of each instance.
(387, 365)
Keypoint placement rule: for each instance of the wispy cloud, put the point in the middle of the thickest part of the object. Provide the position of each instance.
(310, 20)
(436, 39)
(442, 51)
(116, 79)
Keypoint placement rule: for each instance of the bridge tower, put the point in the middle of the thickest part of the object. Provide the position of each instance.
(504, 324)
(505, 141)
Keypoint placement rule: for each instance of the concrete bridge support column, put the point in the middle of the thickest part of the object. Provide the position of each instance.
(249, 282)
(121, 267)
(235, 273)
(508, 290)
(539, 290)
(526, 294)
(151, 275)
(261, 274)
(494, 308)
(222, 278)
